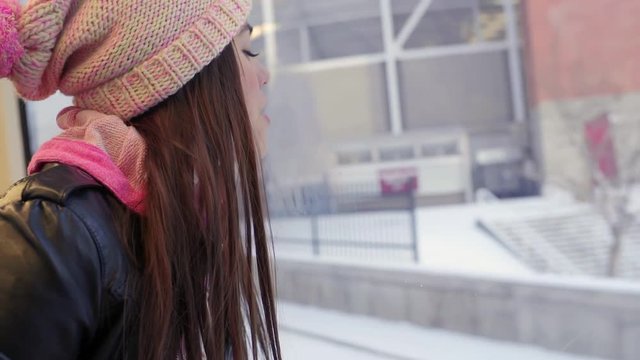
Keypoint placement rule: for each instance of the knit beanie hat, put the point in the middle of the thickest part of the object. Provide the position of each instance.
(119, 57)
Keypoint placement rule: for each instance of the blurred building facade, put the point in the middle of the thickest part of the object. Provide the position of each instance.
(582, 64)
(520, 79)
(352, 73)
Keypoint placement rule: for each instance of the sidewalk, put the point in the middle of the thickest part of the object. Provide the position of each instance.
(315, 334)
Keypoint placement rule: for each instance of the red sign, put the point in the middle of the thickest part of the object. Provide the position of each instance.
(600, 145)
(398, 181)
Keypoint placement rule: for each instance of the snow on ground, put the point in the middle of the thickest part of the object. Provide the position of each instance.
(448, 236)
(451, 240)
(313, 334)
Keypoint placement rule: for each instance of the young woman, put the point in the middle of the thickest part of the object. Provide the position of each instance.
(140, 231)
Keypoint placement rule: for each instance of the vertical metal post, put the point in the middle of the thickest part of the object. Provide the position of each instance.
(515, 64)
(467, 166)
(315, 235)
(24, 127)
(391, 66)
(413, 224)
(305, 44)
(477, 36)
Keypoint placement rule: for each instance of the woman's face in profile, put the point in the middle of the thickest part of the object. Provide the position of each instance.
(254, 77)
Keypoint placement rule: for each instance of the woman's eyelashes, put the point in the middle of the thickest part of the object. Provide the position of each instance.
(251, 54)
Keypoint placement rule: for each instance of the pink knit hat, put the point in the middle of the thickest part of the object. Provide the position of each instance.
(119, 57)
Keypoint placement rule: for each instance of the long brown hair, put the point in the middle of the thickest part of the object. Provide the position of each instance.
(204, 285)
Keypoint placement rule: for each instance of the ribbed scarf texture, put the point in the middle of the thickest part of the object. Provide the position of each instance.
(105, 147)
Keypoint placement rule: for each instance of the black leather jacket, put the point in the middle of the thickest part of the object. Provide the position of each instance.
(63, 269)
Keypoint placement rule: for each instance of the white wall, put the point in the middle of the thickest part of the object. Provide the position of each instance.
(12, 163)
(41, 116)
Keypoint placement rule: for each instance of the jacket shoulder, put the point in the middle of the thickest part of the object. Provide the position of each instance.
(65, 190)
(55, 184)
(63, 268)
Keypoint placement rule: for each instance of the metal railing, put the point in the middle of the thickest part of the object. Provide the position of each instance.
(354, 221)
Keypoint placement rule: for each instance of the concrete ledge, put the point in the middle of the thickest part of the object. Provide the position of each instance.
(575, 315)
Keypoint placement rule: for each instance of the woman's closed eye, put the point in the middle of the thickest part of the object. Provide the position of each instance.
(250, 53)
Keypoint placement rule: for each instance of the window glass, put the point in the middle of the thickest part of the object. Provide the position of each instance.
(397, 153)
(450, 179)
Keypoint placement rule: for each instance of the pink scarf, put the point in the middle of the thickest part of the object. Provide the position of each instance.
(103, 146)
